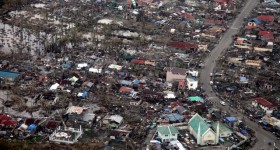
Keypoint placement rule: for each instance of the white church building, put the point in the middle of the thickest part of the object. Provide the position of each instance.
(202, 132)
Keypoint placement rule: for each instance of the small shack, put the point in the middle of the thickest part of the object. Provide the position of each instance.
(231, 121)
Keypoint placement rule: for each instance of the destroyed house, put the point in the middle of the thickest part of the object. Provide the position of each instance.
(212, 22)
(113, 121)
(138, 61)
(150, 95)
(82, 95)
(125, 89)
(183, 46)
(187, 16)
(221, 1)
(119, 135)
(75, 113)
(176, 74)
(6, 122)
(51, 126)
(66, 135)
(48, 97)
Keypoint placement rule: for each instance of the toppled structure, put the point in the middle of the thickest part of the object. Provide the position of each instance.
(66, 135)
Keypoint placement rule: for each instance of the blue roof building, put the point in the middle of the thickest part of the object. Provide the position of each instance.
(257, 21)
(243, 80)
(125, 82)
(8, 74)
(136, 81)
(231, 121)
(82, 94)
(174, 117)
(31, 127)
(67, 65)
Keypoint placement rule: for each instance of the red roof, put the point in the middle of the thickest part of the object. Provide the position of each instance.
(183, 45)
(8, 122)
(262, 101)
(4, 117)
(141, 57)
(124, 89)
(29, 121)
(138, 61)
(221, 1)
(213, 21)
(52, 124)
(266, 18)
(174, 104)
(141, 86)
(150, 63)
(252, 27)
(188, 16)
(266, 34)
(181, 84)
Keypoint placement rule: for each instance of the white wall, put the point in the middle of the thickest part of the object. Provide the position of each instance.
(225, 134)
(174, 77)
(192, 85)
(168, 137)
(210, 135)
(266, 109)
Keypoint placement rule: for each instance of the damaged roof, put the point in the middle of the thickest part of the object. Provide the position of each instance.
(183, 45)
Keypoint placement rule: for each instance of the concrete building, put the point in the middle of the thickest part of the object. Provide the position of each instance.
(255, 63)
(176, 74)
(66, 135)
(264, 104)
(192, 83)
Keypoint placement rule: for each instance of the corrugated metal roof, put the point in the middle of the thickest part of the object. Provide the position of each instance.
(223, 128)
(167, 130)
(195, 98)
(263, 101)
(231, 119)
(8, 74)
(175, 117)
(266, 18)
(194, 123)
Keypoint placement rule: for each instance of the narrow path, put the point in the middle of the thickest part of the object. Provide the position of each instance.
(263, 136)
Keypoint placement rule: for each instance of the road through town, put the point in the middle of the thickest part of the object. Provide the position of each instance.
(263, 136)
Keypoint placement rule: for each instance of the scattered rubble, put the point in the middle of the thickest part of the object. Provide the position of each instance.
(123, 71)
